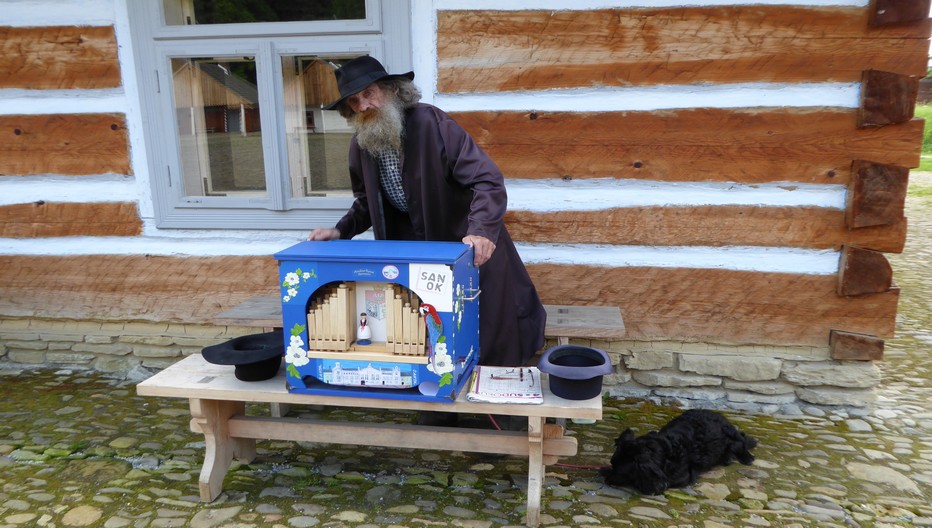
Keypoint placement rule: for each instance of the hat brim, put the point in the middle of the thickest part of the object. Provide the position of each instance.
(245, 350)
(361, 83)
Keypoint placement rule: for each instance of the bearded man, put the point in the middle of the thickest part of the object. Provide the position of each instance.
(417, 175)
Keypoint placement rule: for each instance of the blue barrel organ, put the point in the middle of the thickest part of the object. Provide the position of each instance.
(383, 319)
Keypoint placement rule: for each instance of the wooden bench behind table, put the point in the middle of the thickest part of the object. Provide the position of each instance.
(218, 401)
(563, 322)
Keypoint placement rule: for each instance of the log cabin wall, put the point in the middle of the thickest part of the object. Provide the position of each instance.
(729, 175)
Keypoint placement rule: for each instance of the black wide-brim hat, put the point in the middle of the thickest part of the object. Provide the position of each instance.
(257, 356)
(354, 76)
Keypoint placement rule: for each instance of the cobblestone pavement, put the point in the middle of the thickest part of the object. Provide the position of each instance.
(79, 449)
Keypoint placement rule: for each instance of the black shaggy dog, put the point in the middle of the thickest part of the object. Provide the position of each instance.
(689, 445)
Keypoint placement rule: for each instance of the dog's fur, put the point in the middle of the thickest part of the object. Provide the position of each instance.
(689, 445)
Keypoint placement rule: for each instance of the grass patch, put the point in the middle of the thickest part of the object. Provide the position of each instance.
(925, 112)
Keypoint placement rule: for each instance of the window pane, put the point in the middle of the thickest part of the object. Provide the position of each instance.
(318, 139)
(217, 115)
(187, 12)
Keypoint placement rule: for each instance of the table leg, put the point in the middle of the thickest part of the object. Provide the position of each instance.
(535, 472)
(220, 448)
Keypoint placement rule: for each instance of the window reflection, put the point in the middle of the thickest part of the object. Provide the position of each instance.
(188, 12)
(217, 115)
(318, 139)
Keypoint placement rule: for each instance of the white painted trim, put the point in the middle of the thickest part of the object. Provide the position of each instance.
(763, 259)
(546, 196)
(542, 196)
(35, 13)
(68, 189)
(647, 98)
(760, 259)
(583, 5)
(40, 102)
(138, 154)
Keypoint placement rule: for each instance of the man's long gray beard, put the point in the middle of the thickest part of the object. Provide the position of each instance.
(380, 130)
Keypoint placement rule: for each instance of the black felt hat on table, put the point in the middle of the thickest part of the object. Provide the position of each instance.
(257, 357)
(354, 76)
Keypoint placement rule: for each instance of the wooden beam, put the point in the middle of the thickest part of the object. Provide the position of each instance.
(862, 272)
(705, 144)
(505, 50)
(705, 305)
(56, 219)
(802, 227)
(859, 347)
(148, 288)
(876, 195)
(718, 305)
(896, 12)
(59, 57)
(66, 144)
(887, 98)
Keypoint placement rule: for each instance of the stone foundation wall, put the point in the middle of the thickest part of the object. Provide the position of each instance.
(758, 378)
(115, 347)
(769, 379)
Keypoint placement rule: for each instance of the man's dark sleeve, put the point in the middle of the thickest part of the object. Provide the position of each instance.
(471, 167)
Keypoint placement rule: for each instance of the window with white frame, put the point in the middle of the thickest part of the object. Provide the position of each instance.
(233, 96)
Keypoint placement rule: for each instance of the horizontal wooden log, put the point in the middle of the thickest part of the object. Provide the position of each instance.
(712, 305)
(58, 57)
(721, 306)
(741, 145)
(131, 287)
(489, 51)
(876, 195)
(846, 346)
(802, 227)
(862, 271)
(67, 144)
(45, 219)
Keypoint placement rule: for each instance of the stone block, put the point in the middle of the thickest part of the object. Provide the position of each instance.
(836, 396)
(116, 363)
(199, 342)
(662, 378)
(690, 394)
(156, 340)
(851, 374)
(212, 332)
(32, 357)
(628, 390)
(145, 328)
(753, 397)
(13, 324)
(58, 336)
(148, 351)
(738, 368)
(28, 345)
(99, 339)
(60, 345)
(113, 349)
(157, 363)
(70, 358)
(649, 360)
(616, 378)
(760, 387)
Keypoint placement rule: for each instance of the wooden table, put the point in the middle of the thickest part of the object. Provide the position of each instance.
(218, 400)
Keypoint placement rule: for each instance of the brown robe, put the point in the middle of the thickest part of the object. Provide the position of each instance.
(454, 189)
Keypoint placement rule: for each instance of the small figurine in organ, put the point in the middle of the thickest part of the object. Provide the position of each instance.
(363, 333)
